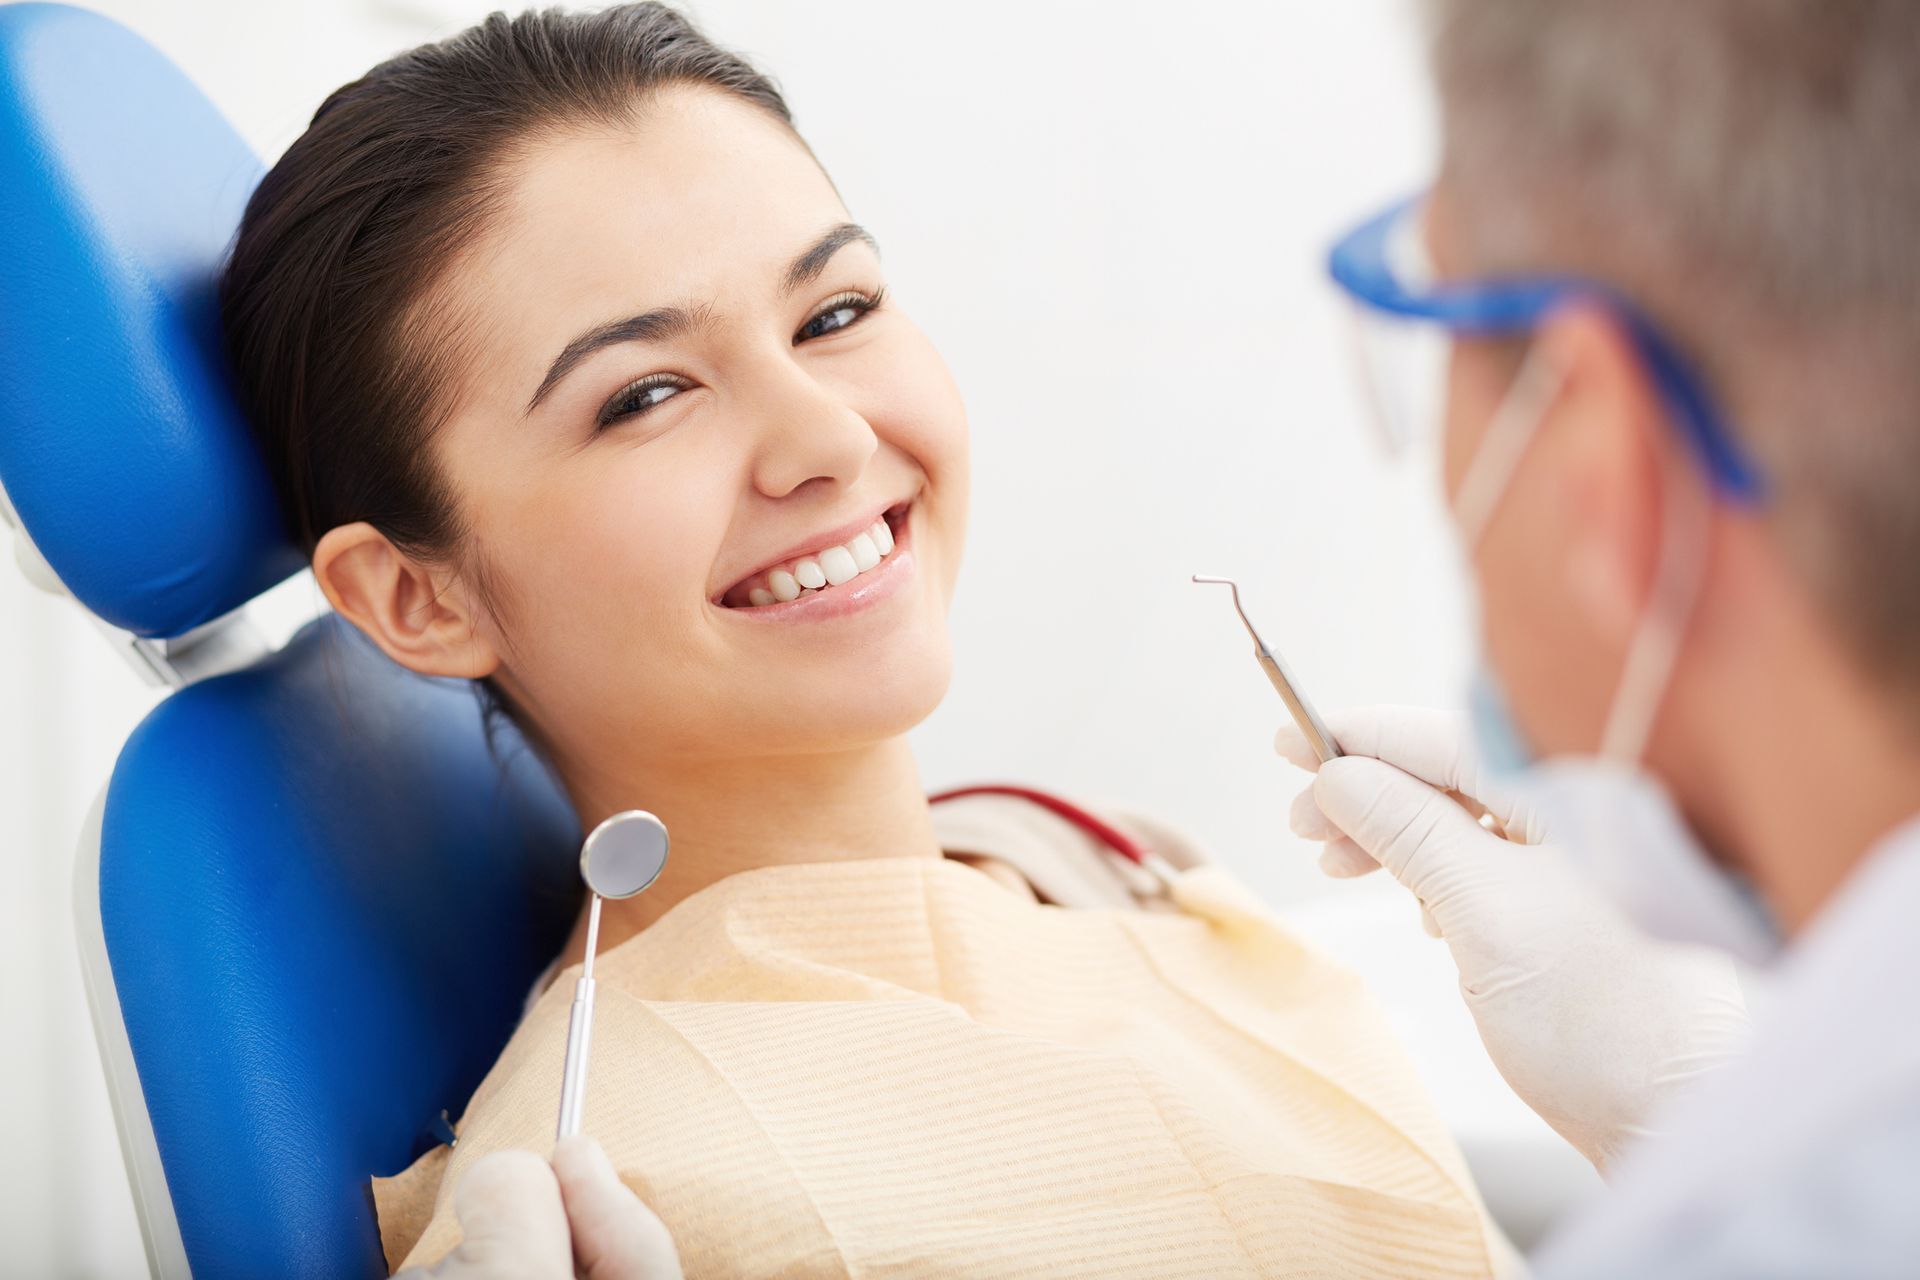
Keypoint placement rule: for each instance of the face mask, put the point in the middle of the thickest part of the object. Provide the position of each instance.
(1605, 809)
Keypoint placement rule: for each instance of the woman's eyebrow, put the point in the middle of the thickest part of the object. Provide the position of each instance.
(657, 325)
(814, 258)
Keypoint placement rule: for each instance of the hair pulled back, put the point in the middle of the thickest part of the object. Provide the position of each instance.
(345, 237)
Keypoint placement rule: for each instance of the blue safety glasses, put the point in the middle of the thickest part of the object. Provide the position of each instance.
(1407, 314)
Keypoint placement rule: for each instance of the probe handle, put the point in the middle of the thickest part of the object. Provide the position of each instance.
(1319, 737)
(573, 1082)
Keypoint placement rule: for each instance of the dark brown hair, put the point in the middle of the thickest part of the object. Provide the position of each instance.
(348, 233)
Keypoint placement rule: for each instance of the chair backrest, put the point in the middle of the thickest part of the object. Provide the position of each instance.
(314, 898)
(323, 902)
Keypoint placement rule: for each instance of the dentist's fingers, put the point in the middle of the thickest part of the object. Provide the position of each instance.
(615, 1236)
(1428, 744)
(1404, 822)
(512, 1222)
(1292, 746)
(1342, 859)
(1306, 820)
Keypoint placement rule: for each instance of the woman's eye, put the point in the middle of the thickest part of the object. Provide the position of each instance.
(839, 313)
(638, 397)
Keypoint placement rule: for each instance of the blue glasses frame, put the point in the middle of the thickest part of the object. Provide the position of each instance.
(1359, 264)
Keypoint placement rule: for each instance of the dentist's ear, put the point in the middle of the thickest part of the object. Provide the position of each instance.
(1612, 443)
(422, 616)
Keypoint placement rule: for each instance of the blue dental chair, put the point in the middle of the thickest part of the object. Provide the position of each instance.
(312, 895)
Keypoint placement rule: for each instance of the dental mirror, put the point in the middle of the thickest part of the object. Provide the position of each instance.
(618, 859)
(624, 854)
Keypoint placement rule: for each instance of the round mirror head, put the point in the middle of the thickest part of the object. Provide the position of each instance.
(624, 854)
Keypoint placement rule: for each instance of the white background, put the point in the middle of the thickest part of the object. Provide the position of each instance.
(1112, 217)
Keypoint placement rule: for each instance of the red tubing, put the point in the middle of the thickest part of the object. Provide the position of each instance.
(1119, 841)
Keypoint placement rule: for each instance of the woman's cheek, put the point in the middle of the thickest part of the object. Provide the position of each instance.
(609, 556)
(919, 411)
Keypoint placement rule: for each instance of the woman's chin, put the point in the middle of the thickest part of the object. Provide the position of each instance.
(898, 698)
(881, 699)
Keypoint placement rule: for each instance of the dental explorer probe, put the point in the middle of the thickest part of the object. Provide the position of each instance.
(618, 859)
(1319, 737)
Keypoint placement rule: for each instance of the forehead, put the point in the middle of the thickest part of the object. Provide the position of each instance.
(699, 196)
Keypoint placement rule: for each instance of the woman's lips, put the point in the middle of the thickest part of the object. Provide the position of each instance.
(834, 600)
(864, 551)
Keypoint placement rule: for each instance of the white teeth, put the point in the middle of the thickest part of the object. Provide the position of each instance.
(831, 567)
(838, 564)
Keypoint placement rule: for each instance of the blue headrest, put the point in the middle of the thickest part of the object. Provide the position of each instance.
(324, 902)
(120, 445)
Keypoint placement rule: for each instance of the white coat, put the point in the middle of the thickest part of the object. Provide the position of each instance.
(1801, 1158)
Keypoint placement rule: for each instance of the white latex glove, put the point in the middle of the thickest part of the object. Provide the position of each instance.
(1591, 1022)
(522, 1219)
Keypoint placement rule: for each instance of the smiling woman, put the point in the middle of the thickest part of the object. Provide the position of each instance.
(579, 382)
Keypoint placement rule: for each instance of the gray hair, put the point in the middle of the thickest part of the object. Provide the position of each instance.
(1749, 172)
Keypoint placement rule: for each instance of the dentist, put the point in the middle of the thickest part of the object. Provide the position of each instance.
(1671, 264)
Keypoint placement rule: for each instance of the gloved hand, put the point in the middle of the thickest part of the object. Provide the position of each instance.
(522, 1219)
(1590, 1021)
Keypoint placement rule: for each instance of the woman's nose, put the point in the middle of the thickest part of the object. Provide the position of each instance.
(808, 433)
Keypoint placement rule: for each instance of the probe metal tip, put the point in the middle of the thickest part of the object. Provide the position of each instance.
(1233, 586)
(1304, 715)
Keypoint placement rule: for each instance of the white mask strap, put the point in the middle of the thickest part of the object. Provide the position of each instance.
(1499, 452)
(1685, 526)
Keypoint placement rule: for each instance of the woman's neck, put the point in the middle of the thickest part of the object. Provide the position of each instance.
(724, 817)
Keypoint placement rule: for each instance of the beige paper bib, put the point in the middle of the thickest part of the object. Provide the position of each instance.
(899, 1068)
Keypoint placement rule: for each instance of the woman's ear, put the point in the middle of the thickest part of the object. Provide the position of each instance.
(423, 616)
(1612, 450)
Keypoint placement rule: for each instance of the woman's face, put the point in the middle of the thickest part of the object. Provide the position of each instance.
(688, 400)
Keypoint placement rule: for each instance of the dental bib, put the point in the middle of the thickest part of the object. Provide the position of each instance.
(897, 1067)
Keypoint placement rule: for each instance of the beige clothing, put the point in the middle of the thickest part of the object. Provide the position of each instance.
(896, 1067)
